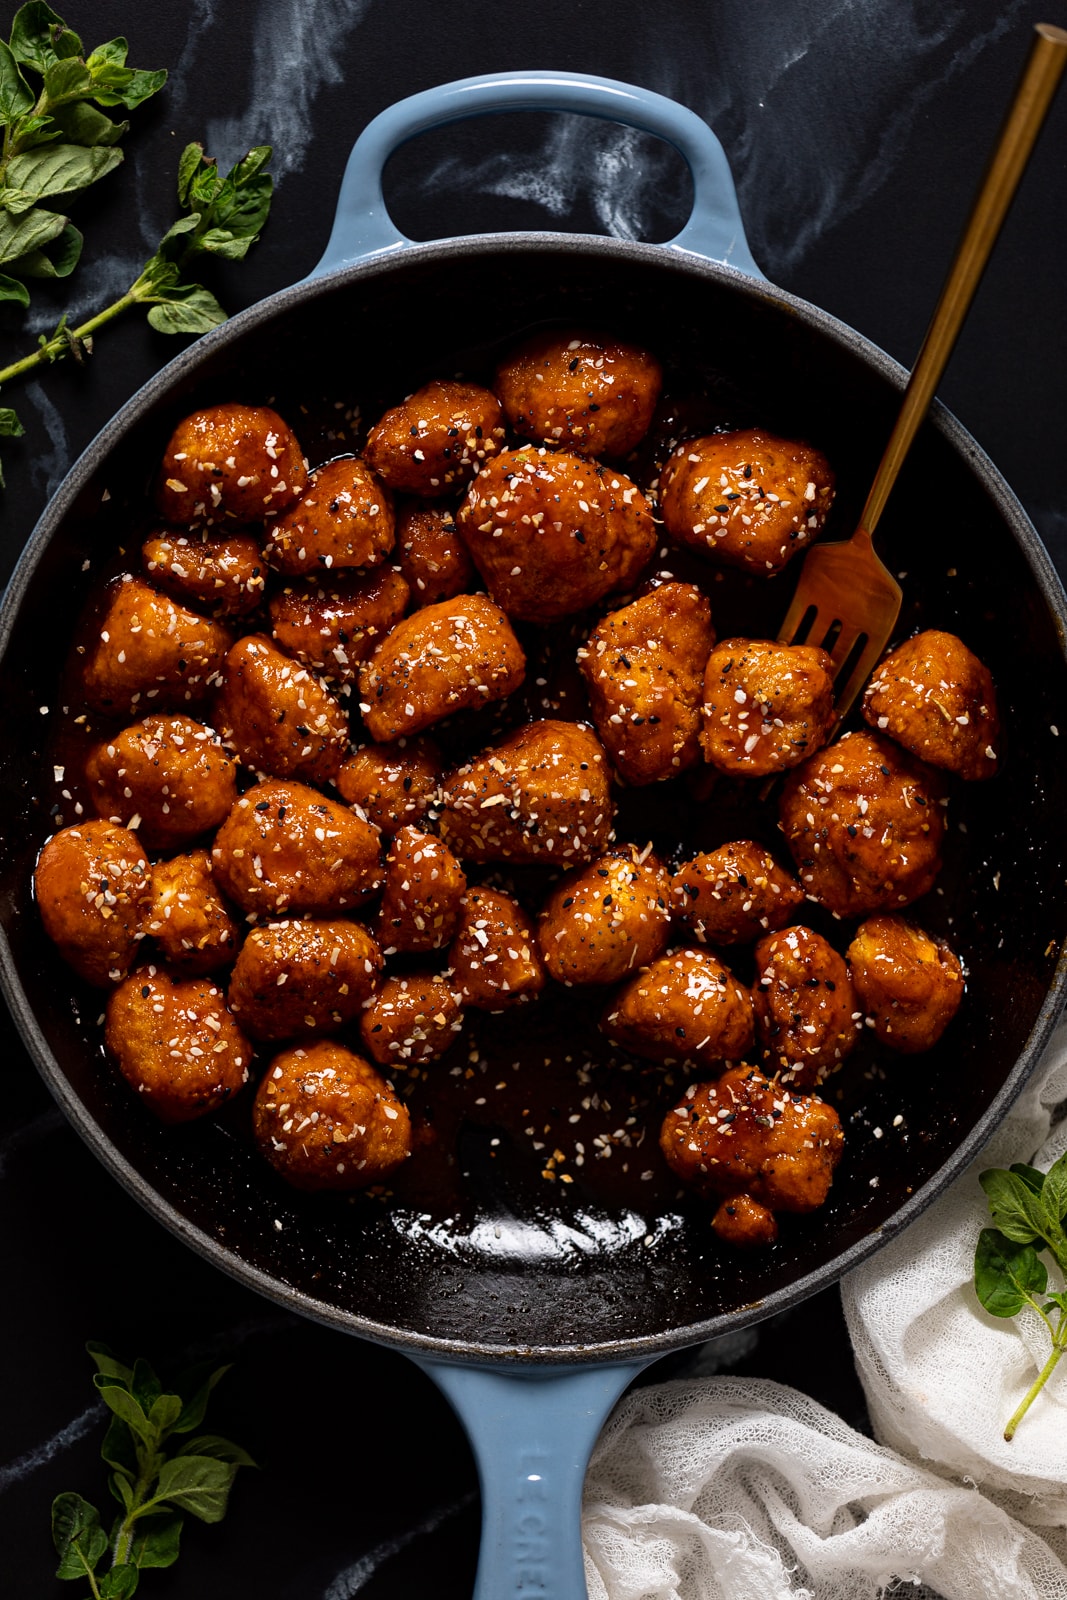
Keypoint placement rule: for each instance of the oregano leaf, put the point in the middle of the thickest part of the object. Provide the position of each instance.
(1006, 1273)
(197, 1484)
(79, 1539)
(16, 96)
(1015, 1208)
(156, 1542)
(39, 38)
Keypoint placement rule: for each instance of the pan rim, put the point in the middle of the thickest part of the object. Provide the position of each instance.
(470, 1351)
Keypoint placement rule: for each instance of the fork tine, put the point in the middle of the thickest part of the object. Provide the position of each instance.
(798, 610)
(858, 676)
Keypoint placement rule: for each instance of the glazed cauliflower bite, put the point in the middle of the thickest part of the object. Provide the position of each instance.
(411, 1020)
(393, 784)
(344, 518)
(286, 849)
(908, 983)
(733, 894)
(332, 624)
(230, 464)
(590, 394)
(542, 795)
(761, 1146)
(435, 441)
(324, 1119)
(294, 978)
(187, 916)
(935, 698)
(644, 669)
(606, 920)
(684, 1007)
(456, 656)
(431, 555)
(748, 498)
(864, 823)
(92, 890)
(552, 533)
(494, 960)
(766, 706)
(277, 716)
(176, 1043)
(151, 653)
(807, 1018)
(422, 895)
(169, 772)
(224, 576)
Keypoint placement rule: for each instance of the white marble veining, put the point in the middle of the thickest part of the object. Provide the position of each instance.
(352, 1579)
(815, 114)
(14, 1471)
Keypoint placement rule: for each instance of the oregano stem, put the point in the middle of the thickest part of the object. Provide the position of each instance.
(1035, 1389)
(56, 347)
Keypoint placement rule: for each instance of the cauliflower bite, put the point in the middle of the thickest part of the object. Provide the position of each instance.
(542, 795)
(684, 1007)
(333, 625)
(748, 499)
(431, 555)
(494, 960)
(293, 978)
(187, 916)
(277, 716)
(606, 920)
(760, 1145)
(150, 649)
(324, 1119)
(92, 890)
(551, 533)
(454, 656)
(937, 699)
(864, 823)
(176, 1043)
(224, 576)
(436, 440)
(285, 848)
(169, 772)
(644, 668)
(733, 894)
(908, 983)
(411, 1020)
(806, 1013)
(424, 888)
(766, 706)
(589, 394)
(344, 518)
(393, 784)
(233, 464)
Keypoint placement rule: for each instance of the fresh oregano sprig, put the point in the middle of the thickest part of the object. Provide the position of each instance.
(223, 218)
(1028, 1208)
(57, 139)
(155, 1485)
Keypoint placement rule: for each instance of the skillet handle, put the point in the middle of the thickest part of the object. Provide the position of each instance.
(532, 1432)
(362, 225)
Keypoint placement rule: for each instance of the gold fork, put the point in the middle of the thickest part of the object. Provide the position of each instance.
(846, 596)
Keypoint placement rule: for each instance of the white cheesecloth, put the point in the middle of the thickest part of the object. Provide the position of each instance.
(743, 1489)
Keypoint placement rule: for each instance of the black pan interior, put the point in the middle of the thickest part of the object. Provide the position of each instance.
(508, 1262)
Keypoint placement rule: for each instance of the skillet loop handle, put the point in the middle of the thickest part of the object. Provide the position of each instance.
(532, 1432)
(362, 226)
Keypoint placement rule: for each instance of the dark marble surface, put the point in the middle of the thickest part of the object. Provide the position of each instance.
(857, 129)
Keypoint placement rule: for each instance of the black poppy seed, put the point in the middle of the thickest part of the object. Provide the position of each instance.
(884, 771)
(722, 508)
(263, 805)
(568, 902)
(145, 991)
(574, 365)
(414, 432)
(748, 472)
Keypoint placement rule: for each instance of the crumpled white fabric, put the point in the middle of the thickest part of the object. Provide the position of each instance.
(743, 1489)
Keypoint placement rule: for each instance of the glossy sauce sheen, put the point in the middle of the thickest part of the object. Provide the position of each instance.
(533, 1114)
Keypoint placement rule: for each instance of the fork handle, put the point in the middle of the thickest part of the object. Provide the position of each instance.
(1048, 57)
